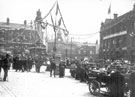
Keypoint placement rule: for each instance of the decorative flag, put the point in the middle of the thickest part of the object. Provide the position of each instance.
(57, 9)
(65, 33)
(59, 22)
(109, 10)
(43, 25)
(52, 22)
(52, 19)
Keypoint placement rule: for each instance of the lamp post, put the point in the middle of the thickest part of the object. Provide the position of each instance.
(71, 48)
(54, 47)
(66, 45)
(66, 50)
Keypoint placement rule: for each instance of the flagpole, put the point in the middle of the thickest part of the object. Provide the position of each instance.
(110, 15)
(63, 20)
(56, 13)
(109, 10)
(54, 28)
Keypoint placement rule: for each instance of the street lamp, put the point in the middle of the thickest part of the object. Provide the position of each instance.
(71, 48)
(66, 45)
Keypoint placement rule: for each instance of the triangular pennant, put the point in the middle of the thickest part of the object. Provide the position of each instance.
(52, 22)
(59, 22)
(52, 19)
(57, 9)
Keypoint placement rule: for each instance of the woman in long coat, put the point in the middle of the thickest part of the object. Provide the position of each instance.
(131, 84)
(117, 84)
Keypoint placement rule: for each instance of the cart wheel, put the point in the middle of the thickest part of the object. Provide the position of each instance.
(94, 87)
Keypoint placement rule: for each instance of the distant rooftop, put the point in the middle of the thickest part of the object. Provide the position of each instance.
(112, 22)
(10, 25)
(13, 26)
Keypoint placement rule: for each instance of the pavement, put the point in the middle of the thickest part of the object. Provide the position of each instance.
(32, 84)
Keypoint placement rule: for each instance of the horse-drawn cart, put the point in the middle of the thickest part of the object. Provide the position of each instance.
(101, 83)
(97, 81)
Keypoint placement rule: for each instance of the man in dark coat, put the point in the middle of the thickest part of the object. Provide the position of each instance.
(52, 68)
(67, 62)
(131, 84)
(78, 72)
(61, 69)
(6, 66)
(82, 73)
(117, 84)
(1, 63)
(16, 66)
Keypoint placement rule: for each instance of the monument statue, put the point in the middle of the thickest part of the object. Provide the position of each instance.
(38, 17)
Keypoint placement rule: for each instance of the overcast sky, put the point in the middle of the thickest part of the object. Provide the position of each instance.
(81, 16)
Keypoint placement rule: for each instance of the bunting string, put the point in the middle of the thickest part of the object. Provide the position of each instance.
(48, 12)
(46, 24)
(63, 20)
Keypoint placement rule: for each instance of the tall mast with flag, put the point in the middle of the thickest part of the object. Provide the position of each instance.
(109, 10)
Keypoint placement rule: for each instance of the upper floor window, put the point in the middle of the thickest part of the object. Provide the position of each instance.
(123, 27)
(117, 42)
(114, 41)
(112, 31)
(124, 41)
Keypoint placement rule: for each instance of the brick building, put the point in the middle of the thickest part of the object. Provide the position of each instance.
(18, 38)
(87, 50)
(117, 37)
(74, 49)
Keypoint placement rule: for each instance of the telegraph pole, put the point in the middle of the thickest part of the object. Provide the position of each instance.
(66, 50)
(66, 45)
(71, 49)
(54, 47)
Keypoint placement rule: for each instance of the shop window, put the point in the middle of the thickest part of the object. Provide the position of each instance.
(105, 44)
(123, 27)
(117, 42)
(112, 31)
(134, 25)
(133, 41)
(114, 42)
(120, 41)
(109, 44)
(124, 41)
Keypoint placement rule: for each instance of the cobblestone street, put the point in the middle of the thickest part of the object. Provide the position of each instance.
(33, 84)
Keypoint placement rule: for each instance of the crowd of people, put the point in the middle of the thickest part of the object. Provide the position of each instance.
(60, 68)
(119, 74)
(25, 63)
(18, 63)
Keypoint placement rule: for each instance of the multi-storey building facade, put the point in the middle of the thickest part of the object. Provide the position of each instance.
(22, 38)
(18, 38)
(87, 50)
(74, 50)
(117, 37)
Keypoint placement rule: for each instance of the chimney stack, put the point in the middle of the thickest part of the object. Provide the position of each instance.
(25, 22)
(115, 16)
(8, 21)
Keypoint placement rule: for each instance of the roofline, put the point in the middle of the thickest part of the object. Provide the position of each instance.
(117, 22)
